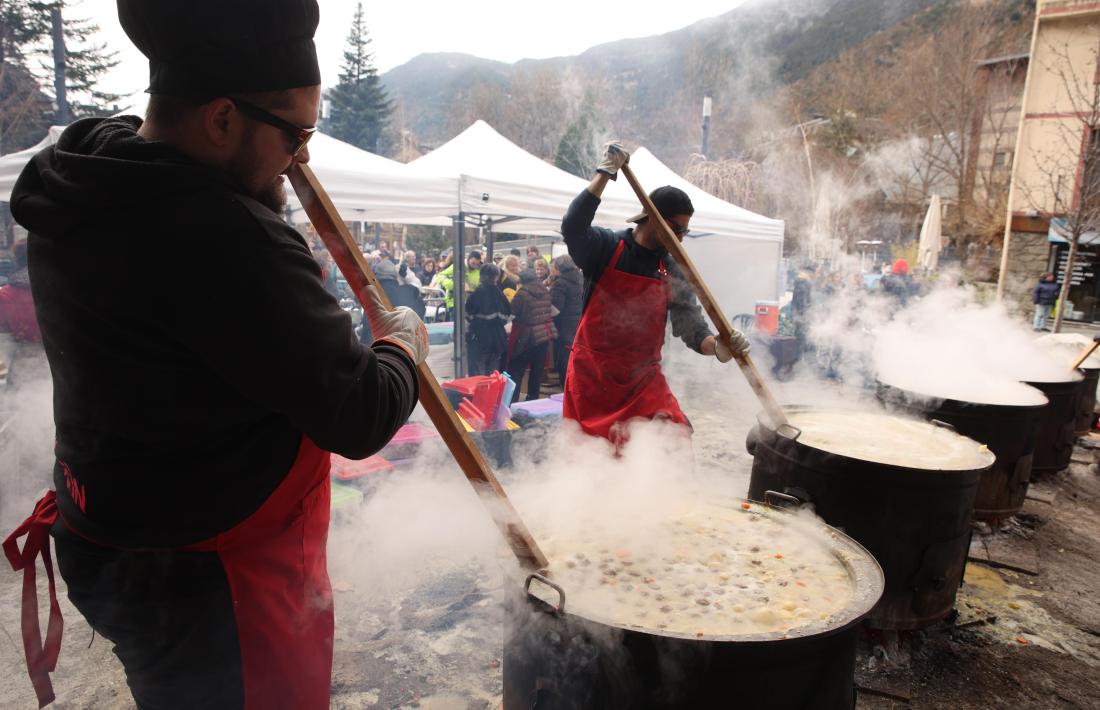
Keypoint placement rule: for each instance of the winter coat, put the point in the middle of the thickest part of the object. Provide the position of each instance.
(17, 309)
(900, 286)
(1045, 294)
(567, 295)
(487, 311)
(533, 324)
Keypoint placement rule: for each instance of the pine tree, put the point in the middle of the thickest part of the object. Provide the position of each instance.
(359, 108)
(86, 63)
(579, 150)
(24, 106)
(26, 71)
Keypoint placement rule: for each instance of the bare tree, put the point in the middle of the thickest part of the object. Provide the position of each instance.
(535, 113)
(1075, 153)
(942, 97)
(736, 181)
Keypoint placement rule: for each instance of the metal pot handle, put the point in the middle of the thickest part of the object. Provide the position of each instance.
(797, 431)
(560, 608)
(944, 425)
(780, 499)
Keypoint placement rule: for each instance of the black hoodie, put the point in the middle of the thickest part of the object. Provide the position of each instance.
(191, 341)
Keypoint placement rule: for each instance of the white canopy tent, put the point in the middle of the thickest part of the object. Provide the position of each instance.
(738, 253)
(13, 163)
(369, 188)
(481, 178)
(500, 183)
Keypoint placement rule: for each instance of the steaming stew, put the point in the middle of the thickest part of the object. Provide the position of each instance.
(890, 440)
(704, 572)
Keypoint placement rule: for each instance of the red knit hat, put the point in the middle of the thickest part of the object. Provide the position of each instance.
(901, 266)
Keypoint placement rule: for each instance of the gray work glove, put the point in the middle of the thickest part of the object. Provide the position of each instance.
(614, 157)
(400, 327)
(737, 344)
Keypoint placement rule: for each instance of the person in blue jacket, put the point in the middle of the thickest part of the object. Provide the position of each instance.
(1044, 296)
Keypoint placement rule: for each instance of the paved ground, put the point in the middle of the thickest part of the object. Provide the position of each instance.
(419, 589)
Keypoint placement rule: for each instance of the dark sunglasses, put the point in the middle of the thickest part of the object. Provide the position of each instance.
(677, 229)
(298, 136)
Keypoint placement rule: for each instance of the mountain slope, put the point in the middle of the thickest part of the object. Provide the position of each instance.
(648, 88)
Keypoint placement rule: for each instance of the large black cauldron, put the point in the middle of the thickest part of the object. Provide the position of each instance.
(1086, 402)
(1057, 425)
(556, 659)
(916, 522)
(1008, 430)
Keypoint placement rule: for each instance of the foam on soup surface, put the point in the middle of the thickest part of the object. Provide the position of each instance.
(705, 571)
(886, 439)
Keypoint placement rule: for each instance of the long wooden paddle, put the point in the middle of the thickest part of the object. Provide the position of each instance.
(350, 259)
(1088, 351)
(710, 305)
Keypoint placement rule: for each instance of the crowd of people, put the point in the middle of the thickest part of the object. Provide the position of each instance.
(192, 485)
(522, 310)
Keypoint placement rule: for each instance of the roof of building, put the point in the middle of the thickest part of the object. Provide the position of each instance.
(1005, 59)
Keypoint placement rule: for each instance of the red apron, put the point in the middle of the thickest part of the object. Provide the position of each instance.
(615, 373)
(275, 561)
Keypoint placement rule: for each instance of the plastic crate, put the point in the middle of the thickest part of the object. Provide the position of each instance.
(407, 441)
(348, 470)
(538, 408)
(345, 497)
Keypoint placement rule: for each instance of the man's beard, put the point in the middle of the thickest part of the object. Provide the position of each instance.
(273, 196)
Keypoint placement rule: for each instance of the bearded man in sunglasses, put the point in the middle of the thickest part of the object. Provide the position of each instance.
(196, 404)
(631, 289)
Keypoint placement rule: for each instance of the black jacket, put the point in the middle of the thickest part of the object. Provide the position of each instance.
(567, 295)
(1045, 294)
(190, 339)
(592, 249)
(487, 311)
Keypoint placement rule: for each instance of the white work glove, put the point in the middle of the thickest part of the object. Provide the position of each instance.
(400, 327)
(614, 157)
(738, 344)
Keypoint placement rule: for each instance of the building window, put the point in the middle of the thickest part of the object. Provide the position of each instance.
(1001, 159)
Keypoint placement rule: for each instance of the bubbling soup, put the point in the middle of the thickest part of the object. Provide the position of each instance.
(703, 571)
(891, 440)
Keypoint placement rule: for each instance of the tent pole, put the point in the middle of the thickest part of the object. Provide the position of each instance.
(460, 295)
(489, 242)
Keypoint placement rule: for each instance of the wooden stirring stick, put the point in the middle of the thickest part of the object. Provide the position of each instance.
(1088, 351)
(346, 253)
(710, 305)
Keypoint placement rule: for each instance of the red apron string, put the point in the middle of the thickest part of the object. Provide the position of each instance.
(41, 658)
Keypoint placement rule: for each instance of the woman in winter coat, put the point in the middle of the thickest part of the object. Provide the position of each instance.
(426, 271)
(532, 333)
(542, 270)
(487, 311)
(1044, 297)
(567, 296)
(509, 276)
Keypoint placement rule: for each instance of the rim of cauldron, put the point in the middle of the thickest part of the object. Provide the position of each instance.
(922, 396)
(861, 565)
(765, 425)
(1080, 377)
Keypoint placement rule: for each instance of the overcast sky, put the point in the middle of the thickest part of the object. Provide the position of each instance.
(506, 30)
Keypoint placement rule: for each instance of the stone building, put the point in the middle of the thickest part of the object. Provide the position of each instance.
(1048, 160)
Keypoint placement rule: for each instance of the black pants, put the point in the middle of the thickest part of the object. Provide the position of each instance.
(562, 350)
(482, 362)
(535, 359)
(169, 615)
